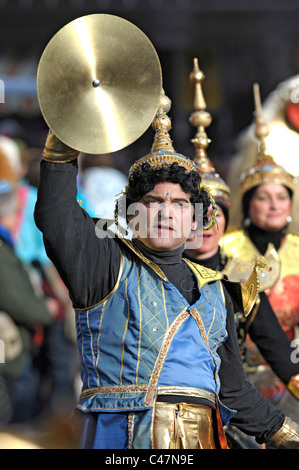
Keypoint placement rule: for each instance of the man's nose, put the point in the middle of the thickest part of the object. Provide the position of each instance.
(166, 210)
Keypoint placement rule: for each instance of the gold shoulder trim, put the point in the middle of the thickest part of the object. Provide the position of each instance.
(238, 270)
(112, 291)
(203, 274)
(237, 244)
(239, 249)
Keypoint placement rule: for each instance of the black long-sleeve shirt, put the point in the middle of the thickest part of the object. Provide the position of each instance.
(89, 266)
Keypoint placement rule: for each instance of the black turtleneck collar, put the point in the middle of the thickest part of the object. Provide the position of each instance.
(175, 269)
(261, 238)
(169, 257)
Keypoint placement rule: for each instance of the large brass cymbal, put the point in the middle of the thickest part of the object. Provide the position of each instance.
(99, 83)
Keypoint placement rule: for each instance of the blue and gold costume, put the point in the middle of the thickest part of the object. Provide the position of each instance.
(144, 339)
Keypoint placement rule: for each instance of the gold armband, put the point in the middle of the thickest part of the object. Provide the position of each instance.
(56, 151)
(293, 386)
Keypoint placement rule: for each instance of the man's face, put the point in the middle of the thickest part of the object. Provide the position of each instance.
(165, 217)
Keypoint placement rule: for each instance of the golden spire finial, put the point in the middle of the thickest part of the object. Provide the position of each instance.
(200, 119)
(261, 127)
(162, 152)
(161, 125)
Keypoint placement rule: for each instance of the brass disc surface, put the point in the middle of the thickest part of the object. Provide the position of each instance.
(99, 83)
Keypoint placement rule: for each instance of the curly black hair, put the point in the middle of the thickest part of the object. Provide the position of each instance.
(144, 180)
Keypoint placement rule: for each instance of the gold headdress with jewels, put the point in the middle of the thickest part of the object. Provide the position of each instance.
(264, 170)
(201, 119)
(163, 154)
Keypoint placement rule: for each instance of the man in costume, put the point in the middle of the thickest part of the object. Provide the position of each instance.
(160, 359)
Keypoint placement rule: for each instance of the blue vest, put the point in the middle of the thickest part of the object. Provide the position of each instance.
(144, 338)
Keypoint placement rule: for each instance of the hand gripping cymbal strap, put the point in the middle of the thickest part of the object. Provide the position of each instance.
(56, 151)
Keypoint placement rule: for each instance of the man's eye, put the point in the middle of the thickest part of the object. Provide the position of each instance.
(182, 204)
(151, 203)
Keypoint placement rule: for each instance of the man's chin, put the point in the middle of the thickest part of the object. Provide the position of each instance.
(161, 244)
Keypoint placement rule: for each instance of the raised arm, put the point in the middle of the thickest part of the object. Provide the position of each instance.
(81, 258)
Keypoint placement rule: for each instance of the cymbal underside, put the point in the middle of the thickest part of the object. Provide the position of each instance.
(99, 83)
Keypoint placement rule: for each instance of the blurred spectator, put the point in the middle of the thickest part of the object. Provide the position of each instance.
(56, 364)
(99, 181)
(29, 240)
(23, 309)
(12, 152)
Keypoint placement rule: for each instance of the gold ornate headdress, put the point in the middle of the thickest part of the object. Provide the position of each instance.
(163, 154)
(201, 119)
(264, 170)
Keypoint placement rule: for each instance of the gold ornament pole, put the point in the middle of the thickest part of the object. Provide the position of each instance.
(162, 125)
(261, 127)
(200, 119)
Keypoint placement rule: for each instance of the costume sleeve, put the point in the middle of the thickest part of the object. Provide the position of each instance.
(272, 341)
(255, 415)
(87, 264)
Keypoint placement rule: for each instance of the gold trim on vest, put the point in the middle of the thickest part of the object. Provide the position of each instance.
(89, 392)
(174, 327)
